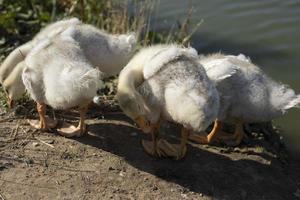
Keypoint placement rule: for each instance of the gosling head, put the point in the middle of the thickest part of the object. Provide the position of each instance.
(13, 85)
(128, 43)
(134, 107)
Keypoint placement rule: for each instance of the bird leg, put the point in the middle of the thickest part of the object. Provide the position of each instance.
(176, 151)
(44, 123)
(212, 136)
(151, 146)
(69, 130)
(10, 102)
(236, 138)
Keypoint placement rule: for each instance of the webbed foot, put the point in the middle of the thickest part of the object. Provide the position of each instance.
(175, 151)
(150, 148)
(48, 123)
(164, 149)
(69, 130)
(236, 138)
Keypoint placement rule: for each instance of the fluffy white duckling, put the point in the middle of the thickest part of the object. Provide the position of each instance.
(106, 51)
(247, 95)
(7, 69)
(58, 74)
(110, 53)
(166, 82)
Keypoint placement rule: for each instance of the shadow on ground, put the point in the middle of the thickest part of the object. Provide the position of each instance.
(109, 162)
(223, 176)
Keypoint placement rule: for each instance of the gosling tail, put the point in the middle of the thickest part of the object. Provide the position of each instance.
(294, 103)
(283, 97)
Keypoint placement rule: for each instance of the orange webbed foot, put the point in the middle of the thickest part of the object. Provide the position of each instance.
(69, 130)
(48, 124)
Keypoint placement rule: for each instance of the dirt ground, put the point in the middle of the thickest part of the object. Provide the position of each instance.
(110, 163)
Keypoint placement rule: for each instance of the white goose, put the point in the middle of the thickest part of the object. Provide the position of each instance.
(110, 53)
(247, 95)
(58, 74)
(9, 69)
(166, 82)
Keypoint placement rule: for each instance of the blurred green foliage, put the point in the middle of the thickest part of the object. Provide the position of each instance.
(21, 19)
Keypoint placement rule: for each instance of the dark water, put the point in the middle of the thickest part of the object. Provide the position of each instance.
(267, 31)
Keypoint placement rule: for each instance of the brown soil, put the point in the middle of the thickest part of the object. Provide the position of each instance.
(109, 163)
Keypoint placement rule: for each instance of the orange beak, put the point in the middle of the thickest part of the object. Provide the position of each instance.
(143, 124)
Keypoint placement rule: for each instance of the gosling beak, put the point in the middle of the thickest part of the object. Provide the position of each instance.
(143, 124)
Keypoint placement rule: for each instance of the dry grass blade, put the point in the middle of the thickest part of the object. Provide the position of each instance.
(7, 119)
(15, 132)
(72, 8)
(2, 197)
(43, 142)
(187, 38)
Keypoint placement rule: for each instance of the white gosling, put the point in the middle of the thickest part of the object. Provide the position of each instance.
(247, 95)
(108, 52)
(7, 69)
(166, 83)
(58, 74)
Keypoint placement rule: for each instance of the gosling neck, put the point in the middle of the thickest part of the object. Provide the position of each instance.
(130, 79)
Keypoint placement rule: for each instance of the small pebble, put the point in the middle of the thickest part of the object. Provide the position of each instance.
(97, 100)
(122, 173)
(155, 188)
(260, 138)
(28, 161)
(35, 144)
(49, 141)
(297, 193)
(133, 134)
(184, 196)
(236, 149)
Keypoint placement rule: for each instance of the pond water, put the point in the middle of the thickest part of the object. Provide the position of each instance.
(267, 31)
